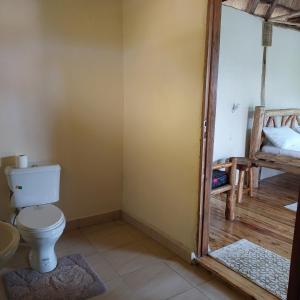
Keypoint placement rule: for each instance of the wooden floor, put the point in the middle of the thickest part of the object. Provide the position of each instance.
(262, 220)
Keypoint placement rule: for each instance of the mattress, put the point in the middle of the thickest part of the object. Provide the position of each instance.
(278, 151)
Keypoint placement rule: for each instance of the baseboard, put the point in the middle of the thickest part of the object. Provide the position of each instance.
(161, 238)
(93, 220)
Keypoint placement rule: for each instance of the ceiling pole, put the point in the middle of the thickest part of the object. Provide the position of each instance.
(267, 32)
(252, 5)
(263, 79)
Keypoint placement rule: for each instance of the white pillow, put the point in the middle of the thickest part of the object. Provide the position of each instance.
(282, 137)
(297, 129)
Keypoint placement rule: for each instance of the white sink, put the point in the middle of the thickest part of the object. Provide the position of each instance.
(9, 241)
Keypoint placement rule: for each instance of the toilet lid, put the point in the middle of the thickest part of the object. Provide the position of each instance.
(40, 218)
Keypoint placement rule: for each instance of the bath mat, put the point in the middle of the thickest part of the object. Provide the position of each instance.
(263, 267)
(72, 279)
(292, 207)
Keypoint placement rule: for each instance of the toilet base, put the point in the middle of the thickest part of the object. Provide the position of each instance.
(42, 257)
(41, 262)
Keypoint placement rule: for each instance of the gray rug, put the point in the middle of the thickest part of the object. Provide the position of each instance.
(72, 279)
(263, 267)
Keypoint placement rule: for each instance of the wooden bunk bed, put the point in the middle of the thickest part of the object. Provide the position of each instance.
(259, 158)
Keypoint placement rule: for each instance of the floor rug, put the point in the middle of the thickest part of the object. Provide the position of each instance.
(263, 267)
(292, 207)
(72, 279)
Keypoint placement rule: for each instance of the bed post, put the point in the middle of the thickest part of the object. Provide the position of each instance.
(255, 143)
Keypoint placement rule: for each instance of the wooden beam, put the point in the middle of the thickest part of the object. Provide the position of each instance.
(241, 185)
(295, 20)
(256, 132)
(222, 189)
(277, 166)
(287, 16)
(230, 199)
(282, 112)
(286, 24)
(271, 9)
(252, 5)
(282, 159)
(222, 166)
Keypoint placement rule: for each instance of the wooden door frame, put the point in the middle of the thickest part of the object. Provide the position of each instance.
(207, 146)
(208, 121)
(294, 280)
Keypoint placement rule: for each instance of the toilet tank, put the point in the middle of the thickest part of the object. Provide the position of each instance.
(33, 186)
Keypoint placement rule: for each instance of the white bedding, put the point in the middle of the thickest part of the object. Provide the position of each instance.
(278, 151)
(283, 137)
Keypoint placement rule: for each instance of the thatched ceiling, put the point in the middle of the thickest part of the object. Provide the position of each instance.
(284, 12)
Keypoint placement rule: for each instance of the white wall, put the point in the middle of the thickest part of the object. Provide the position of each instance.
(240, 71)
(283, 74)
(239, 80)
(283, 70)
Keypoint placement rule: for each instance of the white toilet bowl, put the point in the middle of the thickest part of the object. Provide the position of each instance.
(41, 226)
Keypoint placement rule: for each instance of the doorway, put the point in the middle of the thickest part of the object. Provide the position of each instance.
(208, 134)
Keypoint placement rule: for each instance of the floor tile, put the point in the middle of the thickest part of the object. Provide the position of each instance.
(156, 249)
(133, 266)
(136, 255)
(129, 258)
(20, 259)
(74, 242)
(101, 227)
(102, 267)
(193, 294)
(116, 290)
(156, 282)
(195, 275)
(114, 237)
(217, 290)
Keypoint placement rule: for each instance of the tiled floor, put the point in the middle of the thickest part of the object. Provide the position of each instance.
(133, 266)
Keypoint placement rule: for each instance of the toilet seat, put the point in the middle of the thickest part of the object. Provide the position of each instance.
(40, 218)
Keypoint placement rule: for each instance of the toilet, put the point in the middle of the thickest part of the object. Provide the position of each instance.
(40, 223)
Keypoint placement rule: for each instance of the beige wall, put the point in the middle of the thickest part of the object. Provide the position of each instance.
(164, 42)
(62, 82)
(61, 96)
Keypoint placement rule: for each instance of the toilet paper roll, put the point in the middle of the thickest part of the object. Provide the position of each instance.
(22, 161)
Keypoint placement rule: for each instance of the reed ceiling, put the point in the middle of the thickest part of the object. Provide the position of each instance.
(282, 12)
